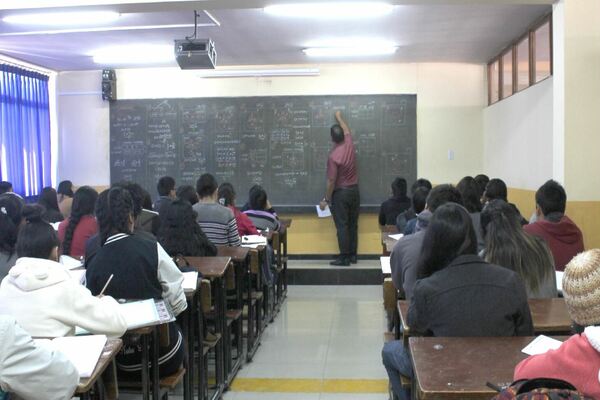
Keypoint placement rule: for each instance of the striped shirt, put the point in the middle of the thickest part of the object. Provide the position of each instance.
(218, 223)
(263, 219)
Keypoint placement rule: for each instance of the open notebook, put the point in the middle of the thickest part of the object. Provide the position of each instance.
(83, 351)
(146, 313)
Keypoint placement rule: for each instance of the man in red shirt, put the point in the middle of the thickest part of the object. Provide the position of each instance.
(342, 191)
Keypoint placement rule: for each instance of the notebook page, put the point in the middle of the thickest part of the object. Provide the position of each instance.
(139, 313)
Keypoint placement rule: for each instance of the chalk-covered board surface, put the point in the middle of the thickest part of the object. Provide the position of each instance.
(279, 142)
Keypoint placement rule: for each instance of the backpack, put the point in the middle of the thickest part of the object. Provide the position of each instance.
(540, 389)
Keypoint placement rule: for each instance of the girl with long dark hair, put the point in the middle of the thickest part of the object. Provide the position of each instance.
(49, 202)
(10, 221)
(81, 225)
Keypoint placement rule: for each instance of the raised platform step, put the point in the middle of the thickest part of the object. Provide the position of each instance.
(319, 272)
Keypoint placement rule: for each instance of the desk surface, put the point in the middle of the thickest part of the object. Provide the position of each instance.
(548, 315)
(387, 241)
(210, 267)
(237, 254)
(111, 348)
(458, 368)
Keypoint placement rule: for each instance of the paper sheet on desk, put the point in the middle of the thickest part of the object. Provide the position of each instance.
(540, 345)
(254, 239)
(396, 236)
(190, 280)
(70, 262)
(559, 276)
(82, 351)
(323, 213)
(385, 265)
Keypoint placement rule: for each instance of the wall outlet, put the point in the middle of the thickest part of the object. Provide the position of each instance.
(450, 155)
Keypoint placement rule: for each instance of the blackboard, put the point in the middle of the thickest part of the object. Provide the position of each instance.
(279, 142)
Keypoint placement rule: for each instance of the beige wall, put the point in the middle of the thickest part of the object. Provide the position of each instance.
(582, 99)
(518, 137)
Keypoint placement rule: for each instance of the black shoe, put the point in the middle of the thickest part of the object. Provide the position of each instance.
(353, 259)
(342, 262)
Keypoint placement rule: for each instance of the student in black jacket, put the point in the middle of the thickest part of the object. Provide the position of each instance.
(396, 204)
(457, 293)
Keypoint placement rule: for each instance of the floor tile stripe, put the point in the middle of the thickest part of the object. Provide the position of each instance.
(310, 385)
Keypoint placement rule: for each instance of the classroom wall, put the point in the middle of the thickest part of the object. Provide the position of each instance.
(517, 137)
(450, 98)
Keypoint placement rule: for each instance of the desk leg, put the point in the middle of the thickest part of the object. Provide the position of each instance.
(145, 367)
(285, 266)
(202, 367)
(155, 368)
(188, 329)
(221, 329)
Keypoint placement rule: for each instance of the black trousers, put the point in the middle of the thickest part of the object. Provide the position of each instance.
(345, 203)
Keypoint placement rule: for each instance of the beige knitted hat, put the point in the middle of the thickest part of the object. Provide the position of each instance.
(581, 287)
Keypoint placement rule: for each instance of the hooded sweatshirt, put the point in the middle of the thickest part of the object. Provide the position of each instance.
(564, 238)
(576, 361)
(47, 301)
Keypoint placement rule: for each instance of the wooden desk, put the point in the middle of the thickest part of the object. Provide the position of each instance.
(237, 254)
(111, 348)
(458, 368)
(287, 222)
(214, 268)
(548, 316)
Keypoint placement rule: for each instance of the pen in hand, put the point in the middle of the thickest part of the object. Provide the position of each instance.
(105, 286)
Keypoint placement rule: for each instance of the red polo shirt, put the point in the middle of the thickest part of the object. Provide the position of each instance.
(341, 164)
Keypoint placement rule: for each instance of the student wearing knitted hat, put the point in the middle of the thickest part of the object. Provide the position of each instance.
(577, 360)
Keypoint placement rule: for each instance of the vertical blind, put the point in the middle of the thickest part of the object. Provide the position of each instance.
(24, 130)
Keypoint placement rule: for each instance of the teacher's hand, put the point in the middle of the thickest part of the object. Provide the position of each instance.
(322, 205)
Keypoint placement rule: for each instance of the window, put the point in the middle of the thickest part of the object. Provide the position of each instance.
(507, 74)
(494, 81)
(523, 64)
(542, 52)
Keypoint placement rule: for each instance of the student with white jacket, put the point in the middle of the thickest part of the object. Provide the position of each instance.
(42, 295)
(32, 372)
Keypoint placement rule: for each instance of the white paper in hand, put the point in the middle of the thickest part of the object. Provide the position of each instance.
(540, 345)
(323, 213)
(139, 313)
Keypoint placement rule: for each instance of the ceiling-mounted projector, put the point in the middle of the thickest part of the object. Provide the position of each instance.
(195, 53)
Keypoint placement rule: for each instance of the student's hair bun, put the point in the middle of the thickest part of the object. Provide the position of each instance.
(32, 213)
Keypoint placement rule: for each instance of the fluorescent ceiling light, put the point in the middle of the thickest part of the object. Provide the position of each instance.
(63, 18)
(350, 47)
(341, 10)
(250, 73)
(134, 54)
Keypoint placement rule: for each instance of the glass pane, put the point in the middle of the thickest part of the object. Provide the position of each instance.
(507, 74)
(523, 64)
(494, 78)
(542, 52)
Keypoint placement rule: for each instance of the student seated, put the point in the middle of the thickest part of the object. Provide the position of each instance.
(560, 233)
(10, 222)
(65, 197)
(481, 180)
(496, 190)
(180, 235)
(141, 269)
(47, 200)
(418, 200)
(472, 201)
(457, 293)
(405, 216)
(30, 371)
(216, 221)
(405, 254)
(399, 202)
(187, 193)
(166, 192)
(226, 195)
(43, 296)
(259, 213)
(74, 231)
(508, 245)
(5, 187)
(577, 360)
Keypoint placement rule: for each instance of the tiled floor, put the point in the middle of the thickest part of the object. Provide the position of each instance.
(325, 344)
(322, 333)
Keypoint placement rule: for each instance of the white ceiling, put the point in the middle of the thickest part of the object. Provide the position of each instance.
(438, 31)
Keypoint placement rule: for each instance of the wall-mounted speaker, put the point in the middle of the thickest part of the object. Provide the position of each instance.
(109, 84)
